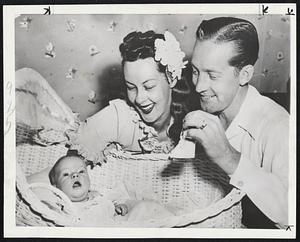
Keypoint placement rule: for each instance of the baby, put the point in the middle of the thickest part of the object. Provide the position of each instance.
(69, 174)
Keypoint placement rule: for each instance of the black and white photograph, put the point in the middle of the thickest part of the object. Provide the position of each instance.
(122, 120)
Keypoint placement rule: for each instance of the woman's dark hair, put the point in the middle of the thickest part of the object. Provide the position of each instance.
(139, 45)
(241, 32)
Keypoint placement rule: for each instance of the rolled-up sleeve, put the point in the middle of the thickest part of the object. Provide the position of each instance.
(267, 185)
(92, 135)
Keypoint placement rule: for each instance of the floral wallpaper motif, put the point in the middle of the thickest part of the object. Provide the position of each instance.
(79, 54)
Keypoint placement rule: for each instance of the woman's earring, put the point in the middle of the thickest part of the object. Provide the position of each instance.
(172, 81)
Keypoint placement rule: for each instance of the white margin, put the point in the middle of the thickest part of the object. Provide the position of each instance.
(10, 229)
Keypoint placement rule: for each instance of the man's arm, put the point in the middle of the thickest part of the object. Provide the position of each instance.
(267, 186)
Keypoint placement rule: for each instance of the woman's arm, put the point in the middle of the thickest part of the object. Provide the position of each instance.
(114, 123)
(95, 133)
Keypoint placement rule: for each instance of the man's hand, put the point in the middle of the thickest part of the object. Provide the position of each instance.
(121, 209)
(207, 130)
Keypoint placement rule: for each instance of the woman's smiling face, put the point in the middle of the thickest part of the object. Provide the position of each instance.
(148, 90)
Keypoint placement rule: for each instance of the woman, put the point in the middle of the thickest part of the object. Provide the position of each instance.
(150, 119)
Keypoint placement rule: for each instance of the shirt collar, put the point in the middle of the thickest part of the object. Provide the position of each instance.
(247, 116)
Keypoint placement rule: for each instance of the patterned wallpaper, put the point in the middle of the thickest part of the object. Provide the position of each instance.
(79, 54)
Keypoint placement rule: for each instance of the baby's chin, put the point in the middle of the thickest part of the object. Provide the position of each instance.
(78, 196)
(78, 199)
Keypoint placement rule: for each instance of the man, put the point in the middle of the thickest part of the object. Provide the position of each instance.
(243, 132)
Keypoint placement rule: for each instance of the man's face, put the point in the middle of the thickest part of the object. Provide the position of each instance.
(215, 80)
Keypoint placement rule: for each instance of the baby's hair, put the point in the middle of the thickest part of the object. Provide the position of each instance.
(70, 153)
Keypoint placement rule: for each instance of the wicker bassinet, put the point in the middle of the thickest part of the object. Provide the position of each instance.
(197, 188)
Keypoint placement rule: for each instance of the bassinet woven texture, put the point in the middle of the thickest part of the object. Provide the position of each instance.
(34, 158)
(176, 183)
(223, 213)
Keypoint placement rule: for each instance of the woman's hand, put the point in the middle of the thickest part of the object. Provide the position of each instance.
(207, 130)
(121, 209)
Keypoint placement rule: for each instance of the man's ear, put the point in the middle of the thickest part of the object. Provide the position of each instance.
(172, 82)
(246, 74)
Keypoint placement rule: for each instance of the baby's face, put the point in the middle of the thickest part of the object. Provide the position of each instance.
(72, 178)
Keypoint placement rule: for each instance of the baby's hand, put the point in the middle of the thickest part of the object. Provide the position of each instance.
(121, 209)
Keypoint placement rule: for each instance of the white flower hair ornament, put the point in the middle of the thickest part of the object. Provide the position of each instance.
(169, 54)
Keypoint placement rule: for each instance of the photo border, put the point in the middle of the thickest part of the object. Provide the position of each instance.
(11, 230)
